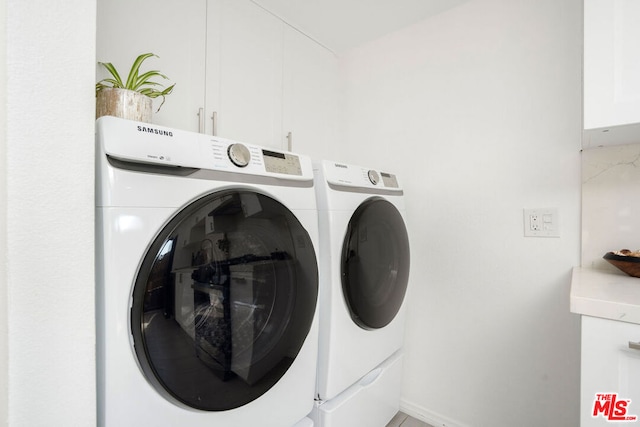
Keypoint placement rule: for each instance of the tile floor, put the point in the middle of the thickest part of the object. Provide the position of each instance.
(403, 420)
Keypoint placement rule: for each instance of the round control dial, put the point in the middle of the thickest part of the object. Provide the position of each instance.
(239, 155)
(374, 177)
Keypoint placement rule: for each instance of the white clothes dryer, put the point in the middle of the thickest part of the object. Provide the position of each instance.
(207, 280)
(364, 272)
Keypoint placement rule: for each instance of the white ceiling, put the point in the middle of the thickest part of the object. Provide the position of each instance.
(343, 24)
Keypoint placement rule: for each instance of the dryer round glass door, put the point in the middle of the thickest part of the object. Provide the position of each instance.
(375, 263)
(224, 300)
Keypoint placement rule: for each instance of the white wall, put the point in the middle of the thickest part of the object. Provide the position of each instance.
(46, 190)
(478, 110)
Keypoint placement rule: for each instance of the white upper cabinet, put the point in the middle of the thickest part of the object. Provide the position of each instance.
(174, 30)
(250, 75)
(611, 71)
(240, 72)
(311, 102)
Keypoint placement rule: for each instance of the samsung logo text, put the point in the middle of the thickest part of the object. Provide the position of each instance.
(155, 131)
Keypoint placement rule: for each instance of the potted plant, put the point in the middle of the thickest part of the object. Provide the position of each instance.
(130, 99)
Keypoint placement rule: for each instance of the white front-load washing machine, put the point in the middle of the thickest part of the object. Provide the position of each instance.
(207, 280)
(364, 273)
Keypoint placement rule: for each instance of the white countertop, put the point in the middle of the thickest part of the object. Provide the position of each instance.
(601, 293)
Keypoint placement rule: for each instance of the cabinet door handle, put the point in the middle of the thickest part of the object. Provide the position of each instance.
(214, 123)
(201, 120)
(289, 141)
(634, 345)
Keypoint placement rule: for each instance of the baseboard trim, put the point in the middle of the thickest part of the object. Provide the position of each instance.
(429, 417)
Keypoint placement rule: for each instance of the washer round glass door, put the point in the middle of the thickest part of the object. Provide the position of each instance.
(224, 300)
(375, 263)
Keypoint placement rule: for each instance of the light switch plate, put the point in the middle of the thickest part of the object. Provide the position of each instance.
(541, 222)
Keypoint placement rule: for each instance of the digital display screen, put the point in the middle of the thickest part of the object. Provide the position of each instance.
(276, 162)
(273, 154)
(389, 180)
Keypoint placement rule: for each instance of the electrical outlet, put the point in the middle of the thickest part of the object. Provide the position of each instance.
(541, 222)
(534, 222)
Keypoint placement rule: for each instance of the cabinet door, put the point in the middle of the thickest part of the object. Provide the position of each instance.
(172, 29)
(611, 63)
(209, 123)
(609, 366)
(310, 101)
(250, 104)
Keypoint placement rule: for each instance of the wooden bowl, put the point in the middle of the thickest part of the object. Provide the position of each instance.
(628, 264)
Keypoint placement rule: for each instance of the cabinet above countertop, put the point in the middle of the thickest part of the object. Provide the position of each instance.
(611, 135)
(605, 294)
(611, 72)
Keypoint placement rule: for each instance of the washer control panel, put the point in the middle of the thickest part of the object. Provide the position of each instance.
(136, 142)
(274, 161)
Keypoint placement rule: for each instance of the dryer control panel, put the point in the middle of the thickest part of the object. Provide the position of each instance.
(346, 175)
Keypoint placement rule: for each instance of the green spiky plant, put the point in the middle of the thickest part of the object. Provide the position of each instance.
(135, 81)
